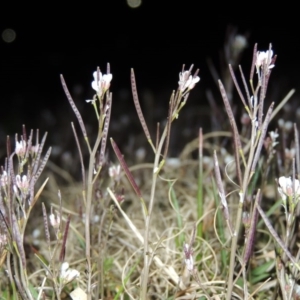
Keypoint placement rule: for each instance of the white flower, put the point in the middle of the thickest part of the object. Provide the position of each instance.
(34, 149)
(67, 274)
(21, 148)
(188, 253)
(91, 100)
(54, 220)
(274, 135)
(3, 240)
(101, 84)
(22, 184)
(287, 187)
(289, 153)
(264, 58)
(3, 179)
(187, 81)
(114, 172)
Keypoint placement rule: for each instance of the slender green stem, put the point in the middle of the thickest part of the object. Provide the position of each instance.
(180, 238)
(145, 275)
(242, 195)
(89, 197)
(200, 186)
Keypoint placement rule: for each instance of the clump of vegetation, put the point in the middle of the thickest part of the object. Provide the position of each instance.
(218, 222)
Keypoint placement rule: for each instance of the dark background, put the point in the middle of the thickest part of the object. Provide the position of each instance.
(155, 39)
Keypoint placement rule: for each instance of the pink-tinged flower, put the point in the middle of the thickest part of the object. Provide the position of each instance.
(67, 274)
(264, 57)
(287, 187)
(101, 84)
(3, 240)
(54, 221)
(274, 136)
(114, 172)
(20, 148)
(3, 179)
(289, 153)
(188, 253)
(22, 183)
(34, 150)
(187, 81)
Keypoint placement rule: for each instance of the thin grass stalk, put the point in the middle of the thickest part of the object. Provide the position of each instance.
(180, 104)
(169, 270)
(18, 240)
(237, 87)
(221, 190)
(20, 264)
(80, 157)
(251, 233)
(221, 228)
(129, 175)
(20, 288)
(254, 57)
(100, 280)
(236, 136)
(282, 103)
(28, 147)
(173, 197)
(296, 137)
(64, 240)
(276, 237)
(156, 168)
(121, 289)
(242, 195)
(263, 133)
(246, 88)
(290, 222)
(200, 185)
(10, 257)
(157, 134)
(89, 198)
(168, 126)
(101, 102)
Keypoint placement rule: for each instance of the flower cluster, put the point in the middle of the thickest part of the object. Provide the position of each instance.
(54, 221)
(114, 172)
(3, 179)
(288, 189)
(274, 136)
(20, 148)
(187, 81)
(67, 274)
(22, 183)
(3, 240)
(100, 84)
(264, 58)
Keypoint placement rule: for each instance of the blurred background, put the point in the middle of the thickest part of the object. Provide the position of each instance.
(40, 42)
